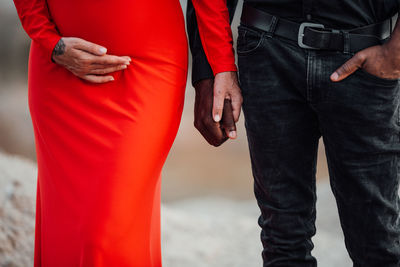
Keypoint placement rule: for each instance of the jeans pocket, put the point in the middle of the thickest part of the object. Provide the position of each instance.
(249, 40)
(377, 79)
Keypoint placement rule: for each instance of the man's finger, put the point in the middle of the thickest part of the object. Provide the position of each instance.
(348, 68)
(90, 47)
(236, 101)
(213, 134)
(211, 131)
(228, 122)
(97, 78)
(102, 71)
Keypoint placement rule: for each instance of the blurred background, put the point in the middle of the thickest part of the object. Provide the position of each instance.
(198, 179)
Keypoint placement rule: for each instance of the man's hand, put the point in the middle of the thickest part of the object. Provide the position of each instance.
(226, 86)
(87, 60)
(381, 60)
(216, 133)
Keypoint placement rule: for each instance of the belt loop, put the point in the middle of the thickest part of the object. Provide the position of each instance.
(346, 42)
(391, 27)
(272, 27)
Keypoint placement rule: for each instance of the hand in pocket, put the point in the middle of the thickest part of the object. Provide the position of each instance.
(381, 61)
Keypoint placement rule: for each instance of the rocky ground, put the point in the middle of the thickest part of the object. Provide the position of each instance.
(204, 231)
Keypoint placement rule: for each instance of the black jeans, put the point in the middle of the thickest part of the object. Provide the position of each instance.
(289, 103)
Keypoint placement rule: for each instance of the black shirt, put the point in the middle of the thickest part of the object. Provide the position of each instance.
(337, 14)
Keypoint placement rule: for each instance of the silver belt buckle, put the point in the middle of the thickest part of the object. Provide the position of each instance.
(301, 33)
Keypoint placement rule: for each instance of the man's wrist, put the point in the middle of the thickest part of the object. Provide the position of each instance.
(203, 83)
(394, 42)
(199, 80)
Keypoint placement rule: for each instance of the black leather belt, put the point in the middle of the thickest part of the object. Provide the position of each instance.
(316, 36)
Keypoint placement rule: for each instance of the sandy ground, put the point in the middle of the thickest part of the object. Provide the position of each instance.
(206, 232)
(196, 232)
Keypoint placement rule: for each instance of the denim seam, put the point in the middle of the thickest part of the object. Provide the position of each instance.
(314, 210)
(333, 178)
(398, 113)
(246, 52)
(346, 44)
(398, 117)
(335, 189)
(309, 77)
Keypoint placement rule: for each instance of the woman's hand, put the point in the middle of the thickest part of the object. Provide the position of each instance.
(87, 60)
(226, 86)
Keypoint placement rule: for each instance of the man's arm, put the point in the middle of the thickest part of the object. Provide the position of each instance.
(381, 60)
(201, 68)
(216, 133)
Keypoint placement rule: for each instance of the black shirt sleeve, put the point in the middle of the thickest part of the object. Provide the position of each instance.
(200, 67)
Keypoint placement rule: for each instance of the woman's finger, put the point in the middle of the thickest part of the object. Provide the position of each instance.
(218, 103)
(103, 71)
(102, 66)
(109, 60)
(98, 78)
(89, 47)
(127, 57)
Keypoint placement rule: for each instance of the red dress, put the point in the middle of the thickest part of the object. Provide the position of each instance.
(101, 147)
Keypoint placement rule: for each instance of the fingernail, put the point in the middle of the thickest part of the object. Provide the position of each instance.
(334, 76)
(124, 66)
(103, 50)
(130, 59)
(217, 118)
(232, 134)
(112, 79)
